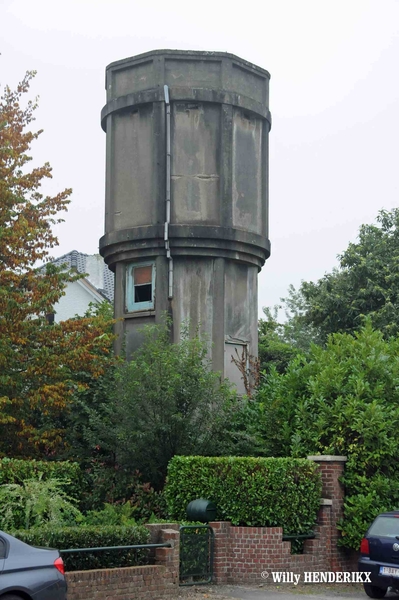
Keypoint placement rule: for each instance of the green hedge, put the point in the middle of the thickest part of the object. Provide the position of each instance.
(91, 537)
(14, 470)
(269, 492)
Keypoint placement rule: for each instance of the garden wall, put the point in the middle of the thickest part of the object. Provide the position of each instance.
(242, 554)
(157, 581)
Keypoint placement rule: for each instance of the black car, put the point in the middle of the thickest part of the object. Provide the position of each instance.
(379, 555)
(30, 573)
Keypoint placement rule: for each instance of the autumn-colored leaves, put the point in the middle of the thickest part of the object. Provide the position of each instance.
(40, 363)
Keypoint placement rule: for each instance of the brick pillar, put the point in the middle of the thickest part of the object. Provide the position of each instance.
(169, 557)
(320, 547)
(221, 559)
(331, 468)
(156, 535)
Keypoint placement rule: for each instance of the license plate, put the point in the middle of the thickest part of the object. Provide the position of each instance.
(389, 571)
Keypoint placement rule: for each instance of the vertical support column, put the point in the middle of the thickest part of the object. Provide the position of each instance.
(109, 165)
(218, 326)
(169, 557)
(221, 559)
(161, 289)
(331, 469)
(119, 302)
(226, 166)
(159, 164)
(265, 178)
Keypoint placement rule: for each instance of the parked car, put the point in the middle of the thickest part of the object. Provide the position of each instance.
(379, 555)
(30, 573)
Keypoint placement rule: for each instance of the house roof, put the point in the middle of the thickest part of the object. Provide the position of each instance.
(98, 274)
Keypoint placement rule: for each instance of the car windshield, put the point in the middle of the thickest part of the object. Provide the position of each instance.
(385, 526)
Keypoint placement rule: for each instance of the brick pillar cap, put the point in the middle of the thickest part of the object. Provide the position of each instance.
(327, 458)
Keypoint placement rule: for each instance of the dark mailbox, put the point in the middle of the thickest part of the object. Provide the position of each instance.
(201, 510)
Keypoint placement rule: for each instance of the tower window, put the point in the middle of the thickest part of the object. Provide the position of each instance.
(140, 286)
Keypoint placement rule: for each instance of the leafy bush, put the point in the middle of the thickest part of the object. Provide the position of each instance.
(276, 413)
(110, 484)
(92, 537)
(119, 514)
(344, 399)
(173, 398)
(111, 514)
(147, 503)
(34, 503)
(270, 492)
(15, 471)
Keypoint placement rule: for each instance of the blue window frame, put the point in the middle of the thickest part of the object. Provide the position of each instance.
(140, 286)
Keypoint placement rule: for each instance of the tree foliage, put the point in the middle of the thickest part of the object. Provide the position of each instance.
(37, 360)
(90, 389)
(165, 401)
(275, 349)
(343, 399)
(366, 283)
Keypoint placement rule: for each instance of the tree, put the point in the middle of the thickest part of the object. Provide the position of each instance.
(165, 401)
(275, 351)
(281, 341)
(365, 283)
(343, 399)
(37, 359)
(91, 389)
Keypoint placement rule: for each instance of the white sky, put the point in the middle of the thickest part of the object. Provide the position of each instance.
(334, 98)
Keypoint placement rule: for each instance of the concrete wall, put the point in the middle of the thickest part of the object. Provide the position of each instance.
(218, 232)
(196, 163)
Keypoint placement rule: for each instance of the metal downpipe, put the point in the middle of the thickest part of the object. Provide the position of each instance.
(168, 181)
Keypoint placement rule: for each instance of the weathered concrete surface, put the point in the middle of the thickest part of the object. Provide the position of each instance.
(218, 230)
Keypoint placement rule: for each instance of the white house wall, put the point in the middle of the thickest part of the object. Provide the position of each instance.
(75, 301)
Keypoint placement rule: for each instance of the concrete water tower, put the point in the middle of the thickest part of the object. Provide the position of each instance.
(186, 219)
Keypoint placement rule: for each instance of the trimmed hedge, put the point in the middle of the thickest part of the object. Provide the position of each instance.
(91, 537)
(268, 492)
(14, 470)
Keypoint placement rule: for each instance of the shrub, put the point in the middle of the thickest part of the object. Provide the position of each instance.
(108, 484)
(170, 394)
(92, 537)
(15, 471)
(345, 400)
(270, 492)
(34, 503)
(111, 514)
(147, 503)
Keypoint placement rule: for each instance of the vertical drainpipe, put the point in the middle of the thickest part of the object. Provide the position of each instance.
(168, 178)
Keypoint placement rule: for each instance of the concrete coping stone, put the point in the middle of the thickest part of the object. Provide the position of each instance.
(327, 458)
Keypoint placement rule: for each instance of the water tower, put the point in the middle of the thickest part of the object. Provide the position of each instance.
(186, 219)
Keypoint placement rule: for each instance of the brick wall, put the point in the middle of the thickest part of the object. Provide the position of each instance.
(331, 469)
(157, 581)
(243, 553)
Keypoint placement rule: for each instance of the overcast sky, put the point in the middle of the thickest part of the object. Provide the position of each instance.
(334, 98)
